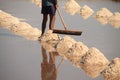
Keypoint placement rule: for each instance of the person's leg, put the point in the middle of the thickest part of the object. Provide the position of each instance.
(52, 58)
(52, 15)
(45, 18)
(44, 56)
(52, 21)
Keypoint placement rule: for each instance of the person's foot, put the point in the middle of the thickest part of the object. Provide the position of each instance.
(39, 38)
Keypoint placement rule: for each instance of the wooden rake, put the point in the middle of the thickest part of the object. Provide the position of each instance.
(65, 31)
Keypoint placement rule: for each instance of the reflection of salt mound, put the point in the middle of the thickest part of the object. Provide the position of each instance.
(37, 2)
(72, 7)
(64, 45)
(6, 20)
(103, 15)
(49, 40)
(75, 53)
(115, 20)
(86, 12)
(94, 62)
(112, 72)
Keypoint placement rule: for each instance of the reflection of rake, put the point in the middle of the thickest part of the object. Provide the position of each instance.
(69, 32)
(58, 67)
(60, 63)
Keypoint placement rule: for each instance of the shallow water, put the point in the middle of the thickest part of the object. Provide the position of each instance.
(20, 59)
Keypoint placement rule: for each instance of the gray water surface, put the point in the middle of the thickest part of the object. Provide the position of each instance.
(20, 59)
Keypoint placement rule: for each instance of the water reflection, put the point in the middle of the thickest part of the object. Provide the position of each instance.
(48, 67)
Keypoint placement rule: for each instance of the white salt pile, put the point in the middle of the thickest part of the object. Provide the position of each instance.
(94, 62)
(75, 53)
(86, 12)
(63, 46)
(72, 7)
(20, 28)
(37, 2)
(25, 30)
(7, 20)
(115, 20)
(50, 40)
(103, 15)
(112, 72)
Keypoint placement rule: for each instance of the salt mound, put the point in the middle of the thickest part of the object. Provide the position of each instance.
(7, 20)
(103, 15)
(64, 45)
(86, 12)
(49, 41)
(75, 53)
(72, 7)
(115, 20)
(112, 72)
(20, 28)
(26, 30)
(94, 62)
(33, 34)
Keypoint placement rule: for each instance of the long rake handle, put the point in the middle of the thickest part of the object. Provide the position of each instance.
(59, 13)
